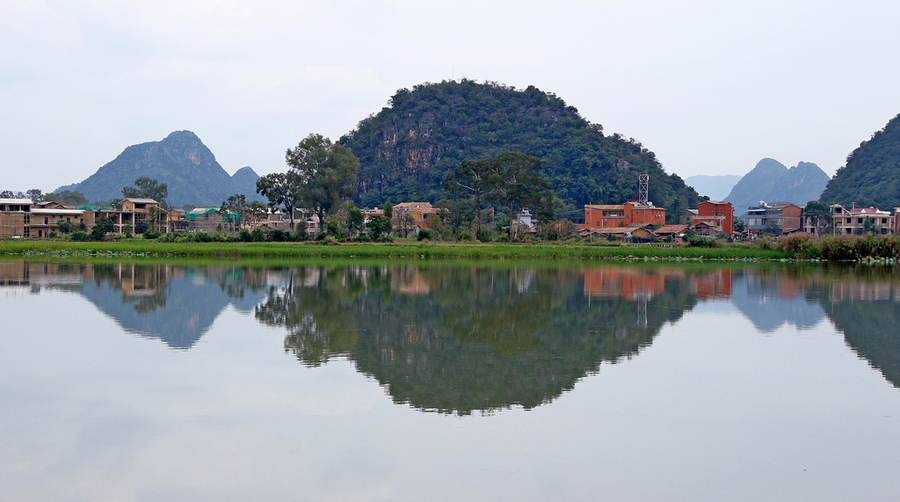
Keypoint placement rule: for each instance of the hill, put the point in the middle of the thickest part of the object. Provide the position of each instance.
(871, 176)
(772, 182)
(181, 161)
(714, 187)
(407, 148)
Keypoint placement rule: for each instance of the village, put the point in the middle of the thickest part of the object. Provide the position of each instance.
(636, 221)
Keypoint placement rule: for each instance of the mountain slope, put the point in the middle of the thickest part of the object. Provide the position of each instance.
(871, 176)
(772, 182)
(180, 160)
(407, 148)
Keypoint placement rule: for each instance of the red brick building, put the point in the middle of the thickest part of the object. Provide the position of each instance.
(616, 215)
(717, 214)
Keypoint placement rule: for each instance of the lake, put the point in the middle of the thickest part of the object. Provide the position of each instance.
(392, 380)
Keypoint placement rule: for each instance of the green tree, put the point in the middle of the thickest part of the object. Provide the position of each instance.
(234, 208)
(473, 180)
(378, 226)
(148, 188)
(388, 209)
(518, 185)
(325, 173)
(66, 198)
(282, 191)
(102, 227)
(355, 220)
(820, 215)
(35, 195)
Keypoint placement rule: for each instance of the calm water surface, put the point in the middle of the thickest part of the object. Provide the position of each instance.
(427, 381)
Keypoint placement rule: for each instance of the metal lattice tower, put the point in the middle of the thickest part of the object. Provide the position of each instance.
(644, 189)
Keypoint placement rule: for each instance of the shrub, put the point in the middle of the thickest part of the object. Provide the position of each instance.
(151, 233)
(278, 235)
(80, 236)
(703, 242)
(426, 234)
(798, 243)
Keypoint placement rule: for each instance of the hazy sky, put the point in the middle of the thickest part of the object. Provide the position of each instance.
(711, 87)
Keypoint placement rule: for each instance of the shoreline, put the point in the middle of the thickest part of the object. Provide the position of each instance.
(143, 248)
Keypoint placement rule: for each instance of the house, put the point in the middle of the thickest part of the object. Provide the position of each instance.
(204, 219)
(780, 218)
(15, 217)
(620, 215)
(861, 220)
(674, 233)
(46, 220)
(410, 216)
(719, 216)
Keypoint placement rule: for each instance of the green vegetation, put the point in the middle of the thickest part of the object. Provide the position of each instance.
(871, 176)
(408, 148)
(216, 245)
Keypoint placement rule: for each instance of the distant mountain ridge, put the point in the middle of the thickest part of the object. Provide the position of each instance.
(772, 182)
(181, 161)
(871, 176)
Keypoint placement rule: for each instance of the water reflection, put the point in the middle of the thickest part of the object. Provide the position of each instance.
(463, 339)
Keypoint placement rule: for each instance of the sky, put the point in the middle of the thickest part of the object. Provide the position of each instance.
(711, 87)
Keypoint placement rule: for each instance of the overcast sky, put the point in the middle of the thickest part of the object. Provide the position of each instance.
(711, 87)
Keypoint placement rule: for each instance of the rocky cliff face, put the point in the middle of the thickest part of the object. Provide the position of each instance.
(772, 182)
(407, 149)
(181, 161)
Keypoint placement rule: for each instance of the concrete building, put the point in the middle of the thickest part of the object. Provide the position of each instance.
(780, 218)
(855, 221)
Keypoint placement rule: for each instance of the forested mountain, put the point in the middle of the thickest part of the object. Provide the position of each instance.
(181, 161)
(407, 148)
(871, 176)
(772, 182)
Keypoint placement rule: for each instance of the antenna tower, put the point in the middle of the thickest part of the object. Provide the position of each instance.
(643, 189)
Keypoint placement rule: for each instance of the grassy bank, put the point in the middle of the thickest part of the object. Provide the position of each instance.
(143, 248)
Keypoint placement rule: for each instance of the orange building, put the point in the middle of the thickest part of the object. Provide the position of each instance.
(616, 215)
(717, 214)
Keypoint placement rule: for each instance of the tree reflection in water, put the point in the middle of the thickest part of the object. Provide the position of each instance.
(462, 339)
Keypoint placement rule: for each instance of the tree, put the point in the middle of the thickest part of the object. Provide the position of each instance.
(388, 209)
(325, 172)
(66, 198)
(819, 214)
(518, 184)
(281, 190)
(378, 226)
(257, 210)
(473, 180)
(35, 195)
(355, 219)
(66, 227)
(148, 188)
(234, 208)
(102, 227)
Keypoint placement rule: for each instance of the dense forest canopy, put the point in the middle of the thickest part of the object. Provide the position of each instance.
(871, 176)
(407, 148)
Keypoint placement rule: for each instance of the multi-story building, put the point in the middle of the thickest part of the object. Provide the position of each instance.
(598, 216)
(780, 218)
(860, 220)
(717, 215)
(23, 218)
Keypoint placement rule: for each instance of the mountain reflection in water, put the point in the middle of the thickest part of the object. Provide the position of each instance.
(461, 339)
